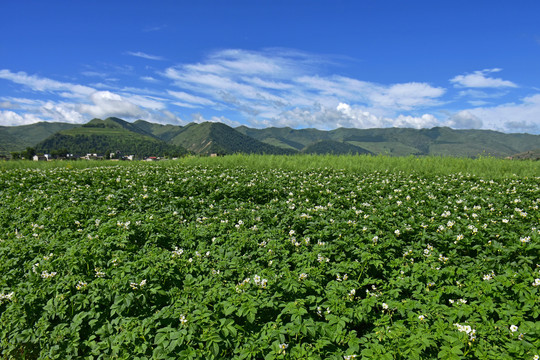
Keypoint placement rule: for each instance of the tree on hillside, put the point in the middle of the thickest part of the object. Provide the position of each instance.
(29, 153)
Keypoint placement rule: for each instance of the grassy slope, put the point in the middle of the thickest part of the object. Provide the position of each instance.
(17, 138)
(9, 143)
(208, 137)
(334, 147)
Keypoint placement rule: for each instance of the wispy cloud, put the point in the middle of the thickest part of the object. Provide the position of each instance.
(145, 56)
(43, 84)
(94, 74)
(149, 79)
(194, 101)
(480, 79)
(282, 87)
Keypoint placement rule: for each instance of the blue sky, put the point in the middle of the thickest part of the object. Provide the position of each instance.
(297, 63)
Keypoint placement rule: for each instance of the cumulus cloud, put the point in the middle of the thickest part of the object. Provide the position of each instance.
(416, 122)
(465, 120)
(480, 79)
(360, 118)
(106, 103)
(521, 116)
(11, 118)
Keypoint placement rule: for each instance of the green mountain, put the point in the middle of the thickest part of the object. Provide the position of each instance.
(438, 141)
(211, 137)
(334, 148)
(9, 143)
(109, 135)
(144, 138)
(18, 138)
(286, 137)
(163, 132)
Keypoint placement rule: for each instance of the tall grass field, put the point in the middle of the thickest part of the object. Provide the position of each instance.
(270, 257)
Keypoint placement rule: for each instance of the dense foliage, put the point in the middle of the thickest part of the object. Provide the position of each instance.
(211, 262)
(81, 144)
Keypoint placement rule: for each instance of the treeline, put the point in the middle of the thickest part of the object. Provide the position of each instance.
(81, 144)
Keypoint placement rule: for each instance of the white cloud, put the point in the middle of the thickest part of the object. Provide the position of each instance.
(416, 122)
(43, 84)
(522, 116)
(194, 101)
(145, 56)
(8, 105)
(479, 79)
(106, 103)
(361, 118)
(94, 74)
(62, 112)
(17, 102)
(81, 103)
(199, 118)
(149, 79)
(406, 96)
(357, 117)
(465, 120)
(147, 102)
(478, 102)
(10, 118)
(274, 85)
(269, 84)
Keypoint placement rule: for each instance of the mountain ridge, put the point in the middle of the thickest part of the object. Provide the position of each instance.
(218, 138)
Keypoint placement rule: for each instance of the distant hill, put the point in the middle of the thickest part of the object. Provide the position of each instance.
(109, 135)
(286, 137)
(18, 138)
(334, 148)
(438, 141)
(144, 138)
(9, 143)
(218, 138)
(527, 155)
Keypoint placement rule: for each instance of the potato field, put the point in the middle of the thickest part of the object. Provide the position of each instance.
(205, 261)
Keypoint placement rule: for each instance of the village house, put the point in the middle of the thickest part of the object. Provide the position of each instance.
(44, 157)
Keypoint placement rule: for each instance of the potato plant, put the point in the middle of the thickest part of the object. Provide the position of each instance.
(210, 262)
